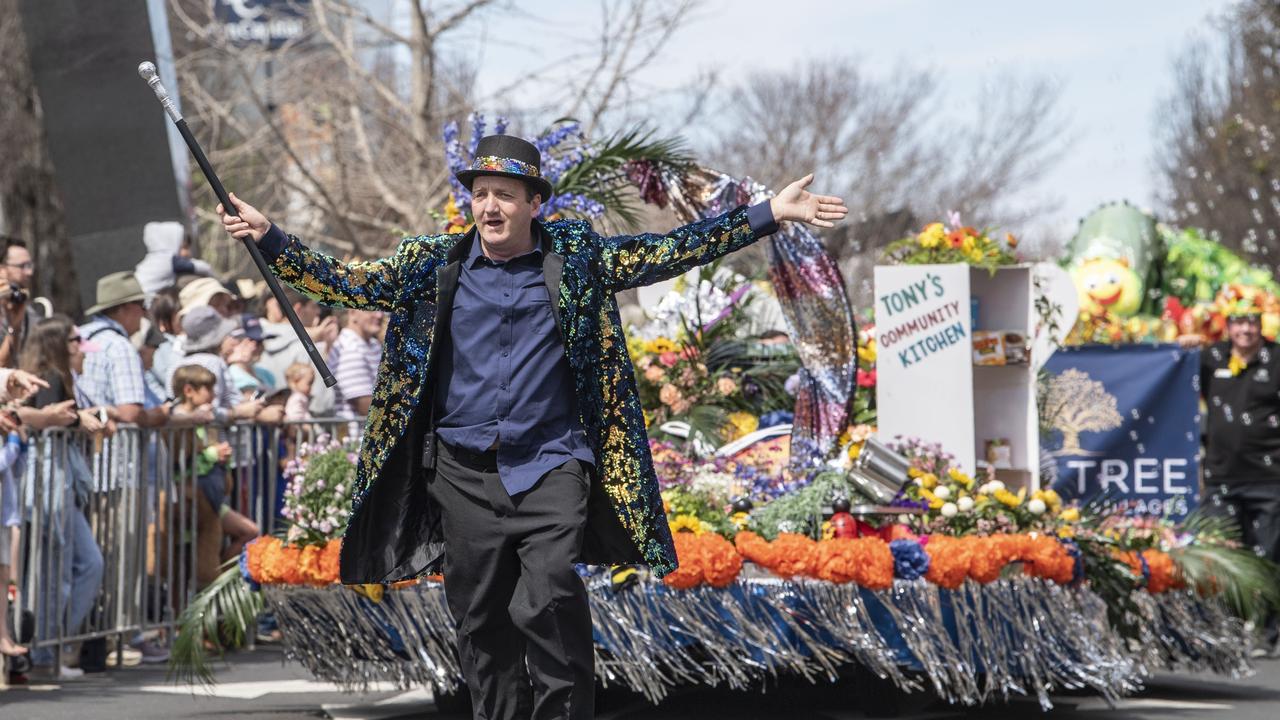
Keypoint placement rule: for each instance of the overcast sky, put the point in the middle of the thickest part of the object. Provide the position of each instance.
(1113, 59)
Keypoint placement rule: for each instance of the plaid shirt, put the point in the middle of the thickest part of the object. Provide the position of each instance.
(113, 374)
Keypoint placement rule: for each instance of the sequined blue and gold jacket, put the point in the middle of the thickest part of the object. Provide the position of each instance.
(394, 531)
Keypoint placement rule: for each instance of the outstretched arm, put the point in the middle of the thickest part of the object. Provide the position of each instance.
(635, 260)
(362, 285)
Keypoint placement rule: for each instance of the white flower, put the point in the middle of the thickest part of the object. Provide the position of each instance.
(339, 488)
(1035, 506)
(942, 492)
(965, 504)
(325, 526)
(948, 510)
(320, 484)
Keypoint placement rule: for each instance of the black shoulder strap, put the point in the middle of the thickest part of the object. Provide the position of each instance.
(107, 328)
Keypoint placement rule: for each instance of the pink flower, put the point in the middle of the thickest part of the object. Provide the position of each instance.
(654, 374)
(668, 358)
(726, 386)
(669, 394)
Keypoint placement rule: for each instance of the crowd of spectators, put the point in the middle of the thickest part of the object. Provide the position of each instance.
(168, 346)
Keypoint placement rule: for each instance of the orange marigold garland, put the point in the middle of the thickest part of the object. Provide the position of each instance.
(721, 563)
(1164, 574)
(873, 562)
(705, 558)
(949, 560)
(290, 569)
(837, 560)
(689, 556)
(793, 555)
(329, 561)
(754, 548)
(989, 555)
(1045, 557)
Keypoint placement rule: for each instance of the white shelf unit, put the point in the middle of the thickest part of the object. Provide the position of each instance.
(944, 397)
(1004, 396)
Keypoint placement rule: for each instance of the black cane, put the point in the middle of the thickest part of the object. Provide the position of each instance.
(148, 72)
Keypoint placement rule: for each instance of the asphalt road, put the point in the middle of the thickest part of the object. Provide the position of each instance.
(260, 685)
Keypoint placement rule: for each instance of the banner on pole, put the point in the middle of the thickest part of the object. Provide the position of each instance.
(1124, 422)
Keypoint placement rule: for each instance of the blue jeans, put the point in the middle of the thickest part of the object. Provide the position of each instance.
(73, 546)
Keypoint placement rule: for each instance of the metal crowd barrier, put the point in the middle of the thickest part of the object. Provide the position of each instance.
(133, 496)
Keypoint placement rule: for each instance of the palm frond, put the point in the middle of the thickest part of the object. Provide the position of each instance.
(226, 606)
(706, 423)
(602, 175)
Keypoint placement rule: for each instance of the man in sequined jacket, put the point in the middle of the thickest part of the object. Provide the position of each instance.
(505, 439)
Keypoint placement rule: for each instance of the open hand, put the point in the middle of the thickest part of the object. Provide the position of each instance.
(799, 205)
(246, 222)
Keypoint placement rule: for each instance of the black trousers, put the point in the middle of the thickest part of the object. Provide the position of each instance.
(519, 608)
(1256, 509)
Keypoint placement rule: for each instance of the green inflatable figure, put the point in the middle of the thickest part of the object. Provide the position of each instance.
(1114, 259)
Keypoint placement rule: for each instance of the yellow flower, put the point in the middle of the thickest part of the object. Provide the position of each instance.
(660, 345)
(967, 246)
(928, 481)
(960, 477)
(1051, 499)
(867, 353)
(686, 523)
(740, 519)
(935, 502)
(855, 449)
(742, 423)
(1007, 498)
(932, 236)
(1070, 514)
(828, 530)
(914, 472)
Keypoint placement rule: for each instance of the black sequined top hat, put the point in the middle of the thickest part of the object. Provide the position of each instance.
(507, 156)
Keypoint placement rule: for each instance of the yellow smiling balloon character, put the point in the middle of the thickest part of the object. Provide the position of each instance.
(1107, 284)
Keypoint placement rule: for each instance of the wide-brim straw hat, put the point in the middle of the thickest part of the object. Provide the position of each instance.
(114, 290)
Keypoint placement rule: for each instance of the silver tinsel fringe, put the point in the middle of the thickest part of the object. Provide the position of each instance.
(1015, 636)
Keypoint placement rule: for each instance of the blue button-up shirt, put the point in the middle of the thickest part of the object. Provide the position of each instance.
(504, 373)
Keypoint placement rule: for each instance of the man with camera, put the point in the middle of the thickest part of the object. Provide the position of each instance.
(16, 314)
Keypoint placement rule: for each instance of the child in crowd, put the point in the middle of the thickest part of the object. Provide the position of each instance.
(300, 377)
(10, 518)
(193, 386)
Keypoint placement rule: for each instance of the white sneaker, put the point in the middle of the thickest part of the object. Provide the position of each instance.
(70, 673)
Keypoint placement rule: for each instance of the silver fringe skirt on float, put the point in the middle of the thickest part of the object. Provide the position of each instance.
(977, 644)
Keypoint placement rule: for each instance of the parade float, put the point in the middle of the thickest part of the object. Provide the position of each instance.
(810, 543)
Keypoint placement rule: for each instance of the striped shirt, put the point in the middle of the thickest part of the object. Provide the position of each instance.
(354, 362)
(112, 375)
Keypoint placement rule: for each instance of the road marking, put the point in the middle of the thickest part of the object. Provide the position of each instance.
(414, 702)
(1158, 704)
(256, 689)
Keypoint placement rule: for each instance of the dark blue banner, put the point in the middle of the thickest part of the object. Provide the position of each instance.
(1124, 421)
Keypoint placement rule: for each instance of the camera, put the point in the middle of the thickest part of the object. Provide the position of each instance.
(17, 295)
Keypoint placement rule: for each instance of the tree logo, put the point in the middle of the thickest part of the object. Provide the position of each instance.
(1075, 403)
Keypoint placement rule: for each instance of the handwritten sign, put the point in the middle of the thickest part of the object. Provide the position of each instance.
(924, 373)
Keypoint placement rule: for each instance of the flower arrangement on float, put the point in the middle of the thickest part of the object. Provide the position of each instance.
(317, 499)
(953, 242)
(701, 360)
